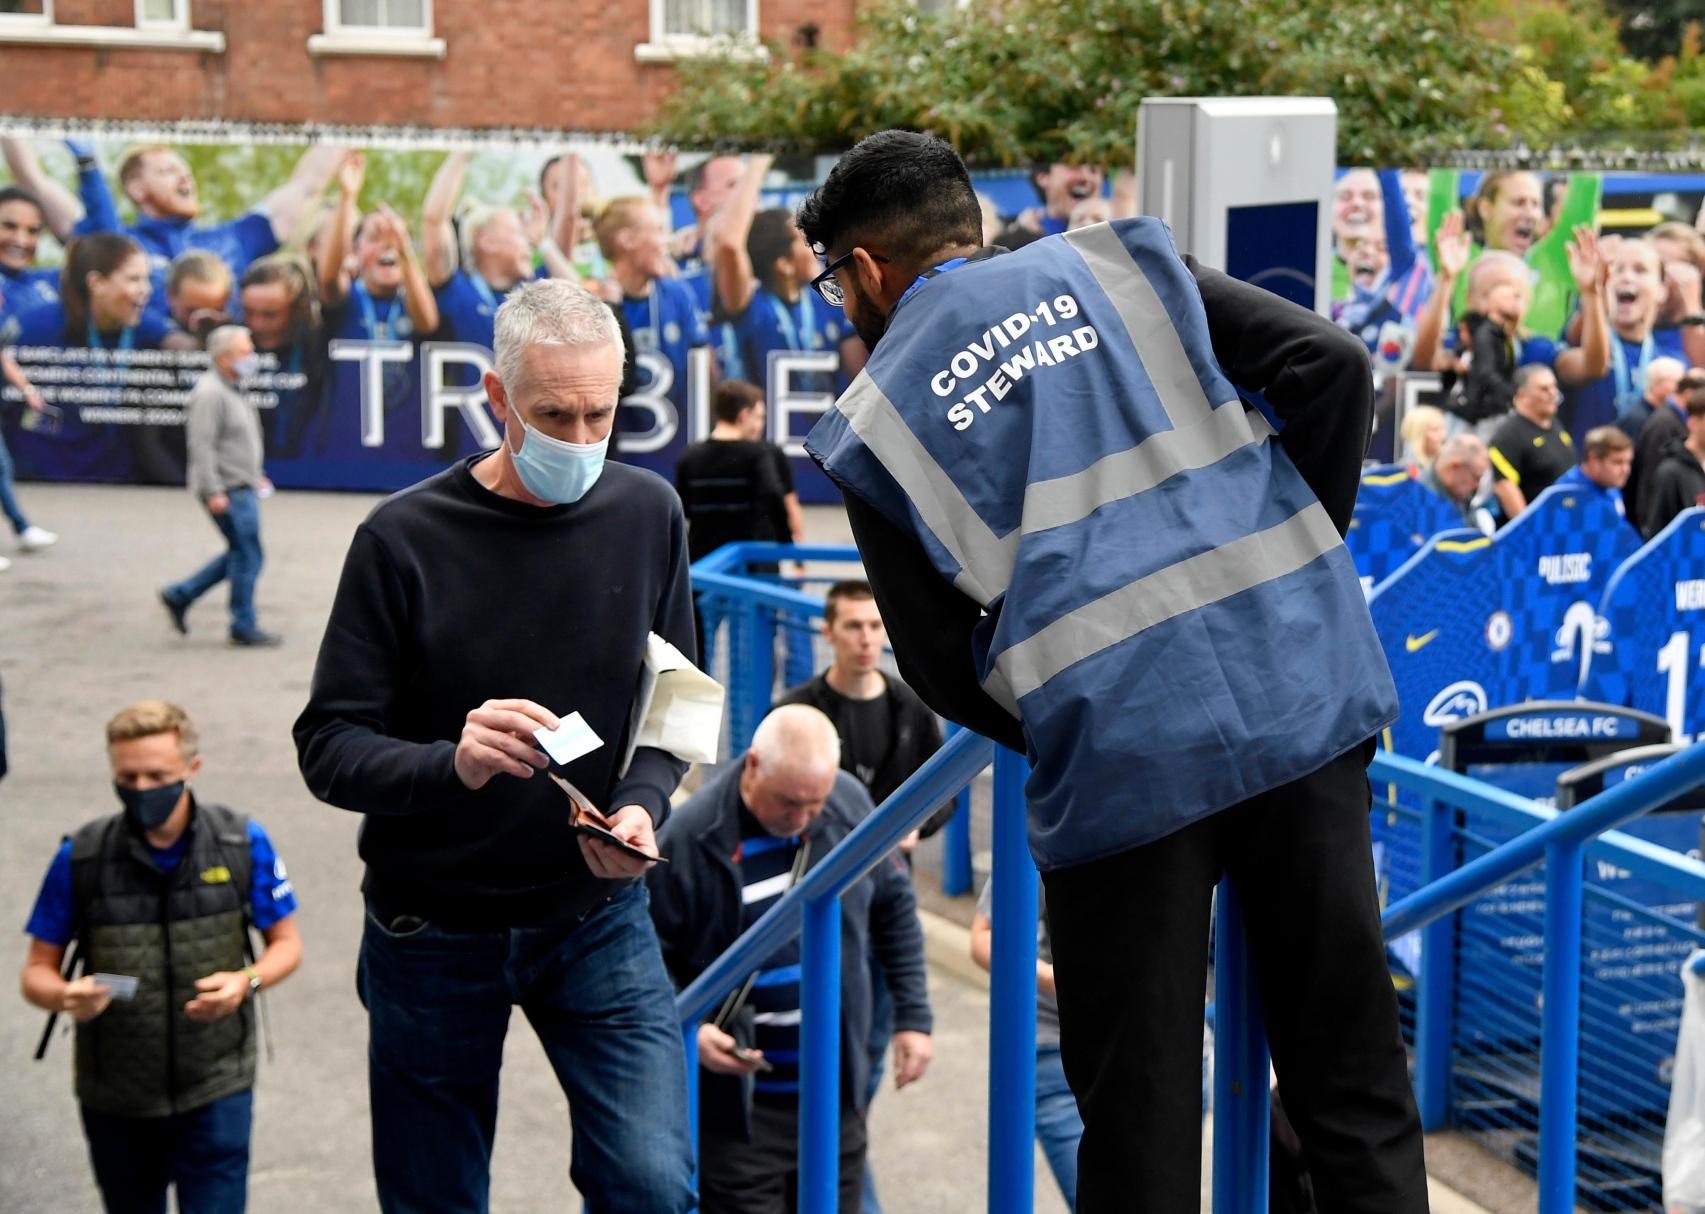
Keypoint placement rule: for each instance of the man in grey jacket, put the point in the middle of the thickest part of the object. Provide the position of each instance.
(224, 441)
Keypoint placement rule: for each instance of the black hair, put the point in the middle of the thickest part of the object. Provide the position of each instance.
(770, 239)
(733, 397)
(904, 194)
(853, 589)
(15, 193)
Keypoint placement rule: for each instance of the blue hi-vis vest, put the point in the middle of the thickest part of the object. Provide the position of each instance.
(1169, 610)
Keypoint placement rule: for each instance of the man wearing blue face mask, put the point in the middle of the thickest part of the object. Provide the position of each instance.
(223, 439)
(472, 609)
(159, 900)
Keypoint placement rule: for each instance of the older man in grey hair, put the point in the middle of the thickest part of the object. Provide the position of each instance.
(224, 442)
(733, 847)
(512, 593)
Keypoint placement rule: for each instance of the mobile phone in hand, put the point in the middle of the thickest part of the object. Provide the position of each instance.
(744, 1054)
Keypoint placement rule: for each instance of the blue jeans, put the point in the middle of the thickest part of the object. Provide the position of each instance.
(8, 499)
(1058, 1126)
(204, 1152)
(240, 563)
(596, 993)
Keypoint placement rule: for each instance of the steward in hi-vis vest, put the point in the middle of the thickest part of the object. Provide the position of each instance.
(1100, 494)
(1170, 612)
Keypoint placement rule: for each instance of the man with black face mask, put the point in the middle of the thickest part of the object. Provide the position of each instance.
(159, 900)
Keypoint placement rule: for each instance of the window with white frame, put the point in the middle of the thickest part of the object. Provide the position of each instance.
(162, 14)
(380, 18)
(31, 12)
(696, 20)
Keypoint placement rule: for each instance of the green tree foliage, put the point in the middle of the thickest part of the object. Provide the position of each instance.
(1018, 81)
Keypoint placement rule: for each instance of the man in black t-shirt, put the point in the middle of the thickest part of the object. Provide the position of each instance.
(1530, 450)
(886, 732)
(734, 485)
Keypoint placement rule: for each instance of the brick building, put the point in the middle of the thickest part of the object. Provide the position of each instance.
(576, 65)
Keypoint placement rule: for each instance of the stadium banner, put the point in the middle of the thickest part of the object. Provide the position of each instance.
(354, 393)
(357, 394)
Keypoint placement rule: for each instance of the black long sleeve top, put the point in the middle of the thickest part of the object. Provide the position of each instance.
(452, 595)
(1313, 374)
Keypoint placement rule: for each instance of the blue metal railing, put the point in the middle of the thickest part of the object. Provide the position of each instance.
(1561, 841)
(754, 611)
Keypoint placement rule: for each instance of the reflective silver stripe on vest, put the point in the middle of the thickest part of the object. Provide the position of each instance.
(1067, 499)
(1189, 585)
(985, 561)
(1146, 322)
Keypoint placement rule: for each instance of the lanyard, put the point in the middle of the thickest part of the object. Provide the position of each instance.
(792, 327)
(1630, 387)
(126, 337)
(483, 289)
(928, 274)
(380, 331)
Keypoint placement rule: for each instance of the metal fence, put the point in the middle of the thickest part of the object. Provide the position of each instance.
(1540, 998)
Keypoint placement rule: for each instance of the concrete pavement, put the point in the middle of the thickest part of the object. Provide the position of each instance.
(83, 634)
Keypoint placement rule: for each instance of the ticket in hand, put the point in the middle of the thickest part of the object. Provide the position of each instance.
(121, 986)
(569, 740)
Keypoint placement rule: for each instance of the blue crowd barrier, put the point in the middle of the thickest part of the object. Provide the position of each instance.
(1437, 827)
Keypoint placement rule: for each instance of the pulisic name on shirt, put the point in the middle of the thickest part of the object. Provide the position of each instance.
(1006, 352)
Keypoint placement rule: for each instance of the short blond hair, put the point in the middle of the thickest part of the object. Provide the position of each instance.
(618, 215)
(146, 718)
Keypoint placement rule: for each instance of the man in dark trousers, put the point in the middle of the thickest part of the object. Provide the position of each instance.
(473, 609)
(732, 848)
(159, 901)
(1087, 547)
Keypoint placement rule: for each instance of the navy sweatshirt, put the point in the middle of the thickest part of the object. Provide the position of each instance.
(452, 595)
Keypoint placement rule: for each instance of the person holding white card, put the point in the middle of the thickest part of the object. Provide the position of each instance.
(158, 901)
(516, 592)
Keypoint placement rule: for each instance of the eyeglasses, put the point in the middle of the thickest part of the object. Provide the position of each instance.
(829, 287)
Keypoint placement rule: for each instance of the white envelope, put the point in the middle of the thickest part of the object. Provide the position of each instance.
(678, 708)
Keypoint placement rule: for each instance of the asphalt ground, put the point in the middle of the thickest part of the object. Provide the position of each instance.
(82, 634)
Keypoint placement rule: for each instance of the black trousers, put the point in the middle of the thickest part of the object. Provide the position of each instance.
(1130, 936)
(762, 1176)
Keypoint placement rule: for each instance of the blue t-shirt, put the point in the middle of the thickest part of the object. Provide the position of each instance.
(22, 290)
(1577, 479)
(335, 451)
(271, 896)
(237, 242)
(1599, 403)
(88, 444)
(666, 324)
(769, 326)
(467, 309)
(44, 325)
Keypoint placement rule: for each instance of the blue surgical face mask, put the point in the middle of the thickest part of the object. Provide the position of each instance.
(148, 808)
(556, 471)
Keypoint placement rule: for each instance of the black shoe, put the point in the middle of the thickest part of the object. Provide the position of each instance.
(256, 638)
(177, 611)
